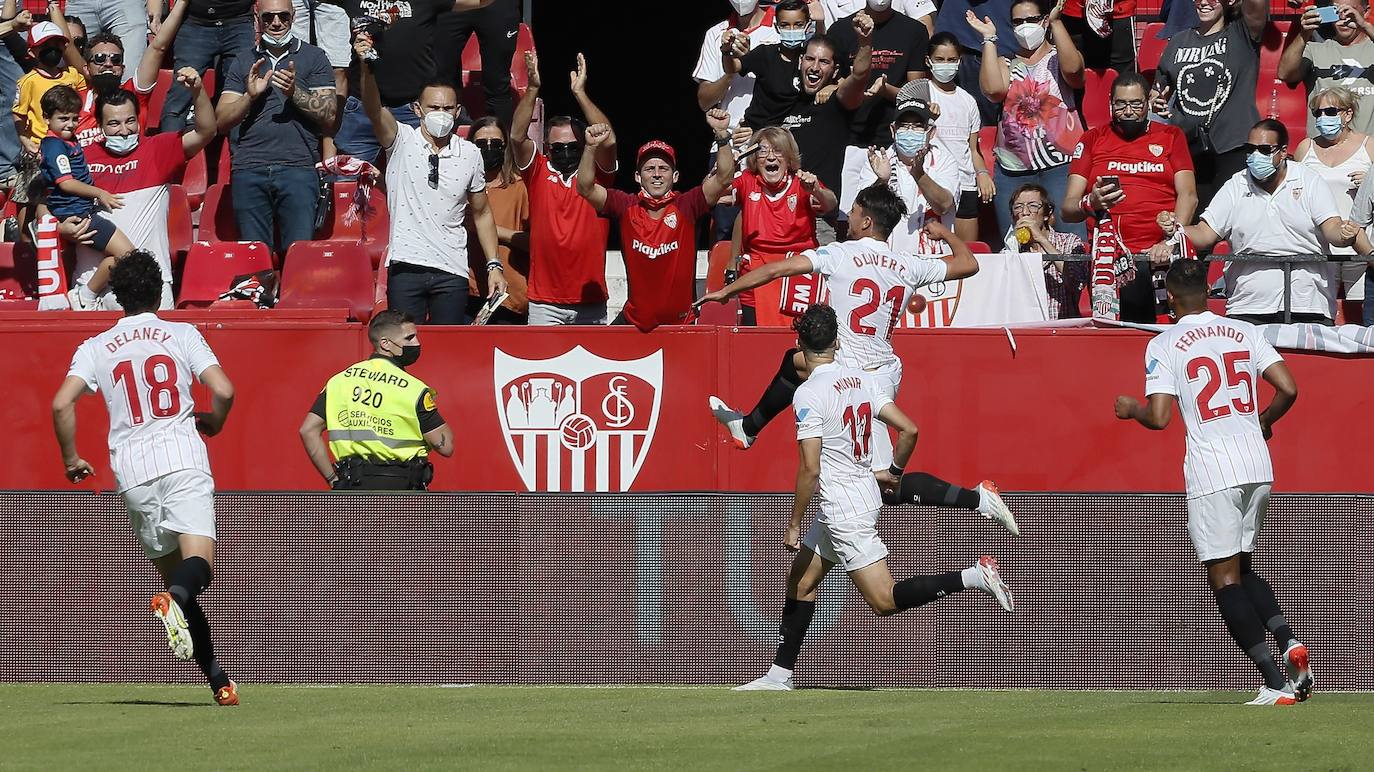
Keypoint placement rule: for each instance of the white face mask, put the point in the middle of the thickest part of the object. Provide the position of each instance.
(744, 7)
(121, 145)
(438, 123)
(944, 71)
(878, 6)
(1029, 36)
(278, 42)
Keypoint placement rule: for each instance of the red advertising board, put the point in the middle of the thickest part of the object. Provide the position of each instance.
(611, 409)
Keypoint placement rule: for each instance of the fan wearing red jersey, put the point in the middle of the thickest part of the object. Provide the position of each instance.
(870, 285)
(1209, 365)
(779, 204)
(658, 226)
(1134, 168)
(144, 367)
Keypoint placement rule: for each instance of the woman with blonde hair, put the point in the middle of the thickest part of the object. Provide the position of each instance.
(1341, 156)
(779, 204)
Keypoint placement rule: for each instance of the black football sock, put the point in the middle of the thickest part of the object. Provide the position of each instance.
(1248, 632)
(931, 491)
(1267, 606)
(796, 618)
(189, 580)
(776, 398)
(920, 590)
(204, 647)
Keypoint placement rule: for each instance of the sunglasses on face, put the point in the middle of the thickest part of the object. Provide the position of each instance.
(269, 16)
(115, 59)
(1027, 20)
(490, 143)
(434, 171)
(1328, 111)
(1250, 147)
(79, 43)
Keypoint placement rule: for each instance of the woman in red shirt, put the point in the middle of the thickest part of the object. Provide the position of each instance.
(779, 204)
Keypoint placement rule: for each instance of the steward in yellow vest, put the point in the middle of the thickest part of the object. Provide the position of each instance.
(381, 421)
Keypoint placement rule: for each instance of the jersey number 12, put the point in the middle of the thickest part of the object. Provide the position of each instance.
(160, 379)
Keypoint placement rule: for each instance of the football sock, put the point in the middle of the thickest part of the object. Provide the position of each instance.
(920, 590)
(776, 398)
(203, 646)
(796, 618)
(971, 577)
(931, 491)
(1267, 606)
(1248, 632)
(189, 580)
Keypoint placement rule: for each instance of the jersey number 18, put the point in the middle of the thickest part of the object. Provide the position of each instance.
(160, 383)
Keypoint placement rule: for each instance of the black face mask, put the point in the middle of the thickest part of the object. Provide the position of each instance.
(493, 153)
(565, 156)
(50, 57)
(1131, 128)
(408, 355)
(104, 82)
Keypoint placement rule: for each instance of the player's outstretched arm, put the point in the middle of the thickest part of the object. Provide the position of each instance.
(960, 263)
(1285, 394)
(221, 400)
(311, 429)
(64, 425)
(796, 265)
(808, 474)
(1155, 414)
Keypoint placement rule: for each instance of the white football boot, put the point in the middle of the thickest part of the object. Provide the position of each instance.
(991, 505)
(991, 583)
(733, 421)
(1269, 696)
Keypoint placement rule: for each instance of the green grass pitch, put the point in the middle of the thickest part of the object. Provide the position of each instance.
(114, 727)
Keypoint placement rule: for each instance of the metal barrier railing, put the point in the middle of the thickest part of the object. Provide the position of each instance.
(1142, 262)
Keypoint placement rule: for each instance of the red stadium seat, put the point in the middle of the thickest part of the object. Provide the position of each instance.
(158, 99)
(328, 274)
(18, 272)
(211, 266)
(379, 289)
(716, 261)
(979, 248)
(1151, 48)
(222, 170)
(194, 180)
(1273, 97)
(217, 221)
(1097, 86)
(180, 231)
(378, 225)
(470, 82)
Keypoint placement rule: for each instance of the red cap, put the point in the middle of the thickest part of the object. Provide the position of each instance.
(655, 146)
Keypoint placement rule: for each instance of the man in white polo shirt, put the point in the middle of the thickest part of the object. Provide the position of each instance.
(1274, 207)
(432, 177)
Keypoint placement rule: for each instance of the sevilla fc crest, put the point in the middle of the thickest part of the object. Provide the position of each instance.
(792, 203)
(671, 220)
(1158, 150)
(578, 422)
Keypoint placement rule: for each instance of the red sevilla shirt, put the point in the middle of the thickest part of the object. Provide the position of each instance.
(660, 255)
(1145, 165)
(772, 224)
(567, 238)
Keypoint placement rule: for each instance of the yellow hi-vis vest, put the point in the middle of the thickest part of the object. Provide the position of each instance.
(370, 412)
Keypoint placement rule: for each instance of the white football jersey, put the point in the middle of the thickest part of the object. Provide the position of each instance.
(837, 405)
(1211, 365)
(870, 285)
(143, 367)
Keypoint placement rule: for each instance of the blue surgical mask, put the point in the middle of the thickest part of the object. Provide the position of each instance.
(1329, 125)
(796, 38)
(272, 41)
(909, 142)
(1261, 166)
(944, 71)
(122, 145)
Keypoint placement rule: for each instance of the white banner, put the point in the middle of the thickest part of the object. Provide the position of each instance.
(1009, 288)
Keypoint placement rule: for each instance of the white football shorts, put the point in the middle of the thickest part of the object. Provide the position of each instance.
(1228, 521)
(851, 544)
(170, 505)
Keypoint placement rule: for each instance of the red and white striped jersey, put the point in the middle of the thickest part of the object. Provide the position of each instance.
(837, 405)
(1211, 365)
(143, 367)
(870, 284)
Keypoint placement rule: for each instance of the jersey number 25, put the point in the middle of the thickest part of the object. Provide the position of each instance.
(1236, 376)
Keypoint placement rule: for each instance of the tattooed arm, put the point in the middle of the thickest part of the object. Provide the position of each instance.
(317, 103)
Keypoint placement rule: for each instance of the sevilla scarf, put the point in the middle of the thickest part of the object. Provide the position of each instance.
(1183, 250)
(360, 209)
(52, 275)
(1106, 250)
(655, 204)
(1098, 15)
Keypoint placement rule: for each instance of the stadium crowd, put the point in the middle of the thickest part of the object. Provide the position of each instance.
(1075, 128)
